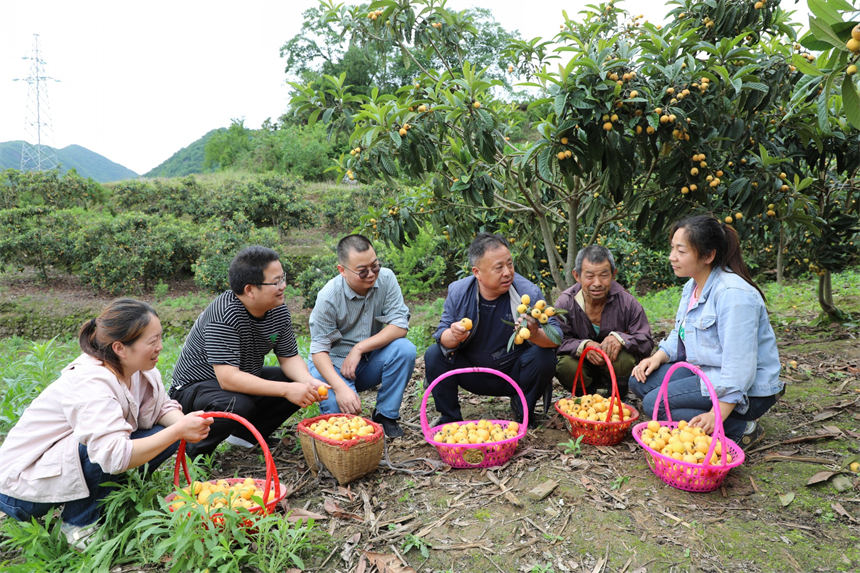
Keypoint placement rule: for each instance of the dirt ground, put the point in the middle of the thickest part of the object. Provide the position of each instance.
(603, 509)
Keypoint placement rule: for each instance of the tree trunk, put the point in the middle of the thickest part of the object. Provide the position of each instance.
(780, 261)
(825, 299)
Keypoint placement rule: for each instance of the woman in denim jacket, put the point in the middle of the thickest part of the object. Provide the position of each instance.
(721, 326)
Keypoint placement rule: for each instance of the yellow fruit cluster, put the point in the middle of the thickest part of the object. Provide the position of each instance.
(540, 312)
(685, 443)
(342, 428)
(480, 432)
(221, 494)
(593, 407)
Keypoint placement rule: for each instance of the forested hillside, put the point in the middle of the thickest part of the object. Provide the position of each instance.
(186, 161)
(88, 164)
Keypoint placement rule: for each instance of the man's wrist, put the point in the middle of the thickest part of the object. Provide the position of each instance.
(618, 337)
(581, 348)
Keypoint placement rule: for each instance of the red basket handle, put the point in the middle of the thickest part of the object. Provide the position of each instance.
(271, 472)
(718, 433)
(615, 398)
(425, 426)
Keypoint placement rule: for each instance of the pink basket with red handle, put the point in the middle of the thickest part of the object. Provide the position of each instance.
(485, 455)
(697, 477)
(600, 432)
(273, 491)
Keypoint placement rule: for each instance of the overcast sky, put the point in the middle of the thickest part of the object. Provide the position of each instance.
(137, 81)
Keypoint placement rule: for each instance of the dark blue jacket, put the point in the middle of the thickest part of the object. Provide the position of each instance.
(462, 302)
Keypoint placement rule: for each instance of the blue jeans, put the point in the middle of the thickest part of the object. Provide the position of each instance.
(686, 400)
(389, 367)
(84, 511)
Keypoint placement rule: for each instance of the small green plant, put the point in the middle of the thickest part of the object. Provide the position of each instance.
(542, 569)
(412, 541)
(619, 481)
(483, 515)
(572, 447)
(551, 537)
(159, 292)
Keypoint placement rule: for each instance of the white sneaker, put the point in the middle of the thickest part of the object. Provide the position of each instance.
(237, 441)
(79, 536)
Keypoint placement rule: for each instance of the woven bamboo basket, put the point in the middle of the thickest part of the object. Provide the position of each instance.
(347, 460)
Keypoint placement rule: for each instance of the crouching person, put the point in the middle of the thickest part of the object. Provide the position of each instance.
(106, 414)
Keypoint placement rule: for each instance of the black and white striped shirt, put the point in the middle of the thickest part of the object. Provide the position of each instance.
(226, 333)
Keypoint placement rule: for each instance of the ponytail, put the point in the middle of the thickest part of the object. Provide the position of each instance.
(707, 235)
(733, 258)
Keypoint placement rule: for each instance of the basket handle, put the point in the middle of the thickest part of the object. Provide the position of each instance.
(271, 472)
(425, 426)
(718, 433)
(615, 398)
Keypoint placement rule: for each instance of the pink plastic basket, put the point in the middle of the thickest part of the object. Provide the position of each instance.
(702, 477)
(599, 432)
(485, 455)
(273, 491)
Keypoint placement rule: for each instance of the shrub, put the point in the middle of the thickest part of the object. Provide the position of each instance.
(343, 205)
(48, 188)
(133, 251)
(319, 270)
(305, 151)
(419, 266)
(179, 196)
(40, 237)
(222, 239)
(266, 200)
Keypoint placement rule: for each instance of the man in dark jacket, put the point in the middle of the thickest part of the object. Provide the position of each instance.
(489, 298)
(600, 313)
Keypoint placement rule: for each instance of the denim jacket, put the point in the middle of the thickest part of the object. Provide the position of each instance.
(462, 302)
(728, 335)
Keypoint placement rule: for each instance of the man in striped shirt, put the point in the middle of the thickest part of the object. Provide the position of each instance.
(221, 367)
(358, 335)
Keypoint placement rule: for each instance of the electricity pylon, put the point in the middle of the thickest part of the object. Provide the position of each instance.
(38, 156)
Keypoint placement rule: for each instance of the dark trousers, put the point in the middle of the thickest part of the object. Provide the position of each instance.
(266, 413)
(532, 369)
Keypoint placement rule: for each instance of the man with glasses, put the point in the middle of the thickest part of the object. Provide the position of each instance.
(602, 314)
(221, 367)
(358, 336)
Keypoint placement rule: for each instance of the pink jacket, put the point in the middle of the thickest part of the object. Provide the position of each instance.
(87, 404)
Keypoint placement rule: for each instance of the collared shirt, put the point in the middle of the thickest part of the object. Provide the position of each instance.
(87, 405)
(622, 317)
(341, 318)
(728, 335)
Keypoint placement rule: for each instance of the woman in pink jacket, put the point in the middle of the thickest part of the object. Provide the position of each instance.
(108, 412)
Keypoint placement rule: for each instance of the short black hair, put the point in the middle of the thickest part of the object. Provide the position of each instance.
(484, 242)
(354, 242)
(248, 265)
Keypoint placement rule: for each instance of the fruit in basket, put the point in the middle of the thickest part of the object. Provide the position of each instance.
(218, 494)
(593, 407)
(478, 432)
(684, 443)
(342, 428)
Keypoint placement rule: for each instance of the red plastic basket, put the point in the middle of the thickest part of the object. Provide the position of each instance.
(484, 455)
(600, 432)
(687, 476)
(273, 491)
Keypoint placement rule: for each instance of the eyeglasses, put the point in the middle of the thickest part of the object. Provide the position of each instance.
(282, 280)
(363, 273)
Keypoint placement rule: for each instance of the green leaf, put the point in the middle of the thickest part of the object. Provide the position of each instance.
(851, 101)
(824, 11)
(804, 66)
(823, 32)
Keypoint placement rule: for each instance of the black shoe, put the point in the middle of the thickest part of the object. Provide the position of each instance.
(754, 436)
(441, 420)
(391, 428)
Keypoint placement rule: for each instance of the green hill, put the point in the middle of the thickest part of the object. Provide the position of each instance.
(186, 161)
(87, 163)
